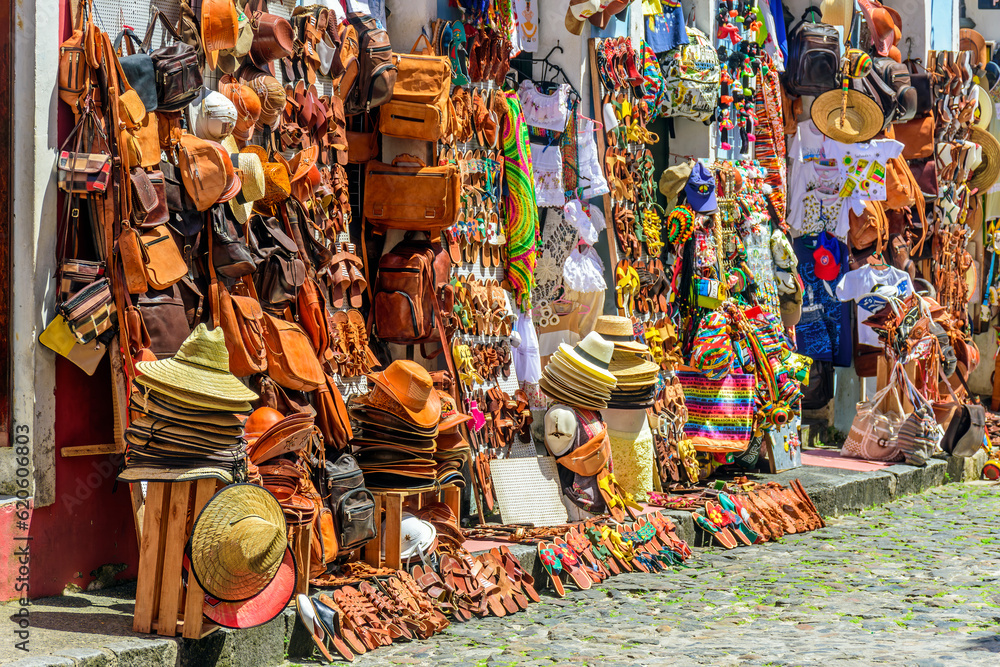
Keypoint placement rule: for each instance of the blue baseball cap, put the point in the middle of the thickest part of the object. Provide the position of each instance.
(700, 190)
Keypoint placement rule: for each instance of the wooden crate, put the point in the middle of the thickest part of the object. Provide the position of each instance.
(392, 502)
(162, 602)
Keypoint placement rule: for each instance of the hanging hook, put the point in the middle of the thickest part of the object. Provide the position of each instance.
(909, 48)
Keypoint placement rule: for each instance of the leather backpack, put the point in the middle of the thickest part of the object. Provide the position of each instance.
(376, 67)
(280, 271)
(78, 57)
(871, 227)
(875, 87)
(813, 63)
(342, 486)
(405, 305)
(897, 77)
(138, 67)
(419, 105)
(178, 74)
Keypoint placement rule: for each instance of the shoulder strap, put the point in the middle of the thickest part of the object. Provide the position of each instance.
(161, 19)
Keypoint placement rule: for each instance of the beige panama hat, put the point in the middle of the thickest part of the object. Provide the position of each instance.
(619, 331)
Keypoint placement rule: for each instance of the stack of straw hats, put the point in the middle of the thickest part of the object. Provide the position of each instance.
(184, 415)
(399, 424)
(578, 376)
(635, 373)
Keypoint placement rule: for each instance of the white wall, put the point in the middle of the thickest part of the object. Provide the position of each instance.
(36, 53)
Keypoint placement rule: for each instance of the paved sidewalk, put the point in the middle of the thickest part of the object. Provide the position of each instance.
(95, 629)
(911, 583)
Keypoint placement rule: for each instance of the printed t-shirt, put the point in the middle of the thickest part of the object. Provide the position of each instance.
(861, 286)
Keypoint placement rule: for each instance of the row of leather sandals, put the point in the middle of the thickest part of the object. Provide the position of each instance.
(353, 620)
(766, 513)
(481, 307)
(590, 553)
(642, 286)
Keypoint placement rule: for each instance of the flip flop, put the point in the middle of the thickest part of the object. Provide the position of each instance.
(726, 540)
(307, 614)
(553, 565)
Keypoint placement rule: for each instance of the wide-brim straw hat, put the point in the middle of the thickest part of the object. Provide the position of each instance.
(238, 542)
(985, 109)
(200, 368)
(262, 607)
(620, 332)
(629, 366)
(569, 385)
(591, 355)
(837, 12)
(862, 120)
(277, 183)
(148, 473)
(985, 176)
(231, 59)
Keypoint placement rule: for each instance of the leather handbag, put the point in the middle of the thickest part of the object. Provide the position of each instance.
(917, 137)
(922, 81)
(312, 315)
(133, 260)
(230, 255)
(178, 72)
(291, 361)
(280, 271)
(80, 172)
(967, 428)
(900, 188)
(873, 431)
(144, 196)
(408, 194)
(164, 263)
(90, 312)
(362, 147)
(185, 219)
(242, 322)
(159, 214)
(202, 171)
(869, 228)
(589, 458)
(332, 418)
(419, 105)
(897, 77)
(78, 57)
(170, 315)
(138, 68)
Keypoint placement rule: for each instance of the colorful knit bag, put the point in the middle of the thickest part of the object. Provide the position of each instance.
(720, 411)
(712, 349)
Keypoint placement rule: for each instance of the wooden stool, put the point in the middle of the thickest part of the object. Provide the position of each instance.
(392, 503)
(161, 601)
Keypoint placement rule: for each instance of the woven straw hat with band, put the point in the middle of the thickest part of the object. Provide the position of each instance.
(619, 331)
(200, 369)
(277, 183)
(847, 116)
(592, 356)
(238, 542)
(987, 173)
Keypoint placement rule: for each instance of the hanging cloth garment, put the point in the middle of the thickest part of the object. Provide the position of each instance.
(522, 210)
(526, 28)
(526, 356)
(591, 176)
(548, 111)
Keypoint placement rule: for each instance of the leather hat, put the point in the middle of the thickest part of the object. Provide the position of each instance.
(260, 420)
(612, 8)
(270, 93)
(303, 173)
(230, 59)
(277, 185)
(247, 105)
(219, 28)
(972, 41)
(274, 39)
(410, 385)
(882, 25)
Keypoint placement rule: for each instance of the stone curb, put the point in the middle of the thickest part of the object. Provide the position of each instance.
(833, 491)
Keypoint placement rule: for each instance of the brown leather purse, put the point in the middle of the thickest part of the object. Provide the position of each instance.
(312, 316)
(242, 322)
(291, 361)
(362, 147)
(917, 137)
(871, 227)
(78, 56)
(589, 458)
(411, 197)
(164, 263)
(419, 105)
(331, 416)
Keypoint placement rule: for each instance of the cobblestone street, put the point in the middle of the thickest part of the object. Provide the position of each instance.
(911, 583)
